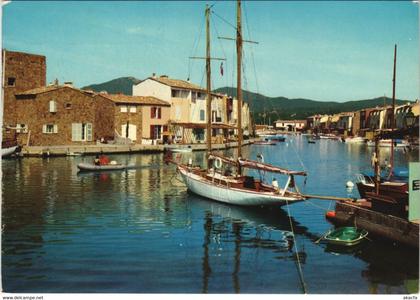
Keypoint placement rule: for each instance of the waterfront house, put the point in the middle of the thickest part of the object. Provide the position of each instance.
(188, 106)
(290, 125)
(62, 115)
(140, 119)
(345, 123)
(22, 71)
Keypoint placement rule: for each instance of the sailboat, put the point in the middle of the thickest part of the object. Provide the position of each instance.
(397, 190)
(223, 180)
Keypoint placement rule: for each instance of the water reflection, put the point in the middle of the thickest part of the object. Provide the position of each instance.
(139, 230)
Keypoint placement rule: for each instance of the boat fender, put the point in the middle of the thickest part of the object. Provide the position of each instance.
(349, 184)
(190, 162)
(218, 163)
(330, 214)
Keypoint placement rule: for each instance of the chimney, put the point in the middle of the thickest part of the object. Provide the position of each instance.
(164, 76)
(68, 83)
(56, 82)
(154, 75)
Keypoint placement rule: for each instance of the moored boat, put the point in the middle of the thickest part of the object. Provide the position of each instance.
(345, 236)
(93, 167)
(355, 140)
(8, 151)
(388, 143)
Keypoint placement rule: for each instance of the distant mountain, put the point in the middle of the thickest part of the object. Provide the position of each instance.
(122, 85)
(268, 109)
(265, 109)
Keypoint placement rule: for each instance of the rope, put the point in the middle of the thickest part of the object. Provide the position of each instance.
(302, 280)
(224, 20)
(195, 46)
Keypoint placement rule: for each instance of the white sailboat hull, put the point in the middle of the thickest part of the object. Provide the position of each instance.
(230, 195)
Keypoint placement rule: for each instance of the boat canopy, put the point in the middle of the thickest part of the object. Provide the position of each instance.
(252, 164)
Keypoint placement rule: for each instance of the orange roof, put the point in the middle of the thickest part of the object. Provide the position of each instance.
(140, 100)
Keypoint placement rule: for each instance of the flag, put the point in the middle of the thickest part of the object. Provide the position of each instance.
(221, 68)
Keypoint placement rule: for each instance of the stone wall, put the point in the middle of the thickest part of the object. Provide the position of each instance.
(22, 71)
(72, 106)
(133, 118)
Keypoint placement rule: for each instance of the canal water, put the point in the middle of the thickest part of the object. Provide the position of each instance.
(141, 231)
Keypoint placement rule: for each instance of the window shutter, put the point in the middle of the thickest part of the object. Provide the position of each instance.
(76, 132)
(89, 132)
(53, 106)
(152, 112)
(55, 128)
(159, 109)
(44, 128)
(152, 131)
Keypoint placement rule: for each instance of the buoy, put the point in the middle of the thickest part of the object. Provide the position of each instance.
(330, 214)
(349, 184)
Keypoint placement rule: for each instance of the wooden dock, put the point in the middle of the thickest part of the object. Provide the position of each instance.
(376, 223)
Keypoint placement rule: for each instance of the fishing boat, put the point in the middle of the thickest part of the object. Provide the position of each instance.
(345, 236)
(223, 178)
(108, 167)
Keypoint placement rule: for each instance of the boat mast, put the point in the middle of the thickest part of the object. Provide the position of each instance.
(239, 75)
(208, 88)
(391, 170)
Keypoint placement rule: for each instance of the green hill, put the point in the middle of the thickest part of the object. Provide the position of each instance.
(122, 85)
(268, 109)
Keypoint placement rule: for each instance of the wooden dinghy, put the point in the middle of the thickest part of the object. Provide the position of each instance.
(108, 167)
(345, 236)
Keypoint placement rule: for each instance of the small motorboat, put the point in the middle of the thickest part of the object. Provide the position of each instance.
(109, 167)
(311, 141)
(268, 143)
(345, 236)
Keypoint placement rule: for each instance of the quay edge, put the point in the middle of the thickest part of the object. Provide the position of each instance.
(65, 150)
(377, 224)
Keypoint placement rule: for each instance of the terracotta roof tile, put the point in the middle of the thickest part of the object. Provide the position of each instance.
(140, 100)
(177, 83)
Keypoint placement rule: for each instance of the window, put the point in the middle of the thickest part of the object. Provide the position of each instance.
(123, 109)
(193, 97)
(81, 132)
(11, 81)
(201, 96)
(133, 109)
(53, 106)
(67, 105)
(156, 132)
(21, 128)
(180, 93)
(49, 128)
(202, 115)
(156, 112)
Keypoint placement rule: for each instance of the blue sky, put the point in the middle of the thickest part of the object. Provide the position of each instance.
(332, 50)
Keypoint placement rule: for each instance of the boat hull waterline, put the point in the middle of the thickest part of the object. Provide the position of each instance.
(208, 189)
(92, 167)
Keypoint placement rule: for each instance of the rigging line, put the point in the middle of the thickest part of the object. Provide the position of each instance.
(224, 20)
(223, 50)
(302, 280)
(195, 46)
(252, 46)
(298, 156)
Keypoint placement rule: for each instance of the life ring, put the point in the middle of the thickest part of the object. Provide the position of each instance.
(217, 163)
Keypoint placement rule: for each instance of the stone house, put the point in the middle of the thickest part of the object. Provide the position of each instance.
(62, 115)
(141, 119)
(22, 71)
